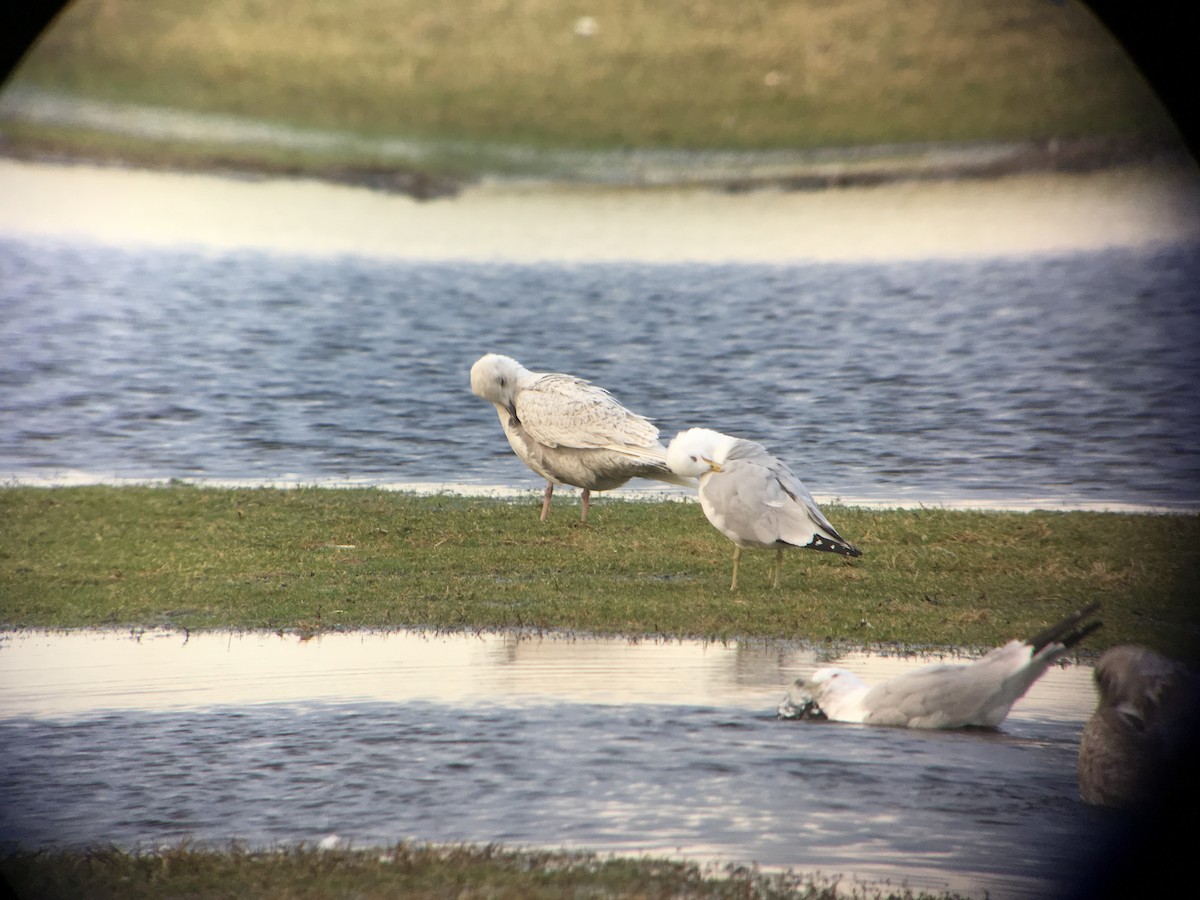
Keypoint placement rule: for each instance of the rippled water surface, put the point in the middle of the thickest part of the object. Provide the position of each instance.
(1037, 379)
(645, 747)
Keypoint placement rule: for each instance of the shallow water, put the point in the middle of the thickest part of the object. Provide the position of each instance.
(631, 747)
(1044, 381)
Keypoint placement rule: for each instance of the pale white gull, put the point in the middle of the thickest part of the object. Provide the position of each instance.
(1145, 719)
(752, 498)
(569, 430)
(941, 695)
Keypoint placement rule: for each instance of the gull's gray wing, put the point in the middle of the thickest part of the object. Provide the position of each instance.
(948, 695)
(746, 501)
(796, 512)
(936, 696)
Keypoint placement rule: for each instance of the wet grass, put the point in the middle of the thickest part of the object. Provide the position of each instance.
(310, 559)
(404, 870)
(700, 75)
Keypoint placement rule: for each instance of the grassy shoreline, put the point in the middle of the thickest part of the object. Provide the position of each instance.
(446, 178)
(422, 99)
(315, 559)
(409, 870)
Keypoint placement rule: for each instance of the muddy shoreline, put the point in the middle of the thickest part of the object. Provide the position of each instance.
(728, 172)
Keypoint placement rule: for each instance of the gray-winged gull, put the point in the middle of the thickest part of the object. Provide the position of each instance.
(941, 695)
(752, 498)
(569, 430)
(1144, 718)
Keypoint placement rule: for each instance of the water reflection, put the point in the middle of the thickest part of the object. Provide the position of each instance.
(81, 672)
(611, 745)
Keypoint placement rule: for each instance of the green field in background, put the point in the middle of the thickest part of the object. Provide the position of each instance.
(707, 75)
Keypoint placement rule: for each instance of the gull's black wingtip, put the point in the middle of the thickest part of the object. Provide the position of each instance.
(1074, 637)
(1069, 632)
(829, 545)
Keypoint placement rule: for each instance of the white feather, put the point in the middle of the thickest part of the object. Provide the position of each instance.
(569, 430)
(940, 695)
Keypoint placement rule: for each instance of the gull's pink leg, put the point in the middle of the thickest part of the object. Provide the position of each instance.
(586, 495)
(546, 500)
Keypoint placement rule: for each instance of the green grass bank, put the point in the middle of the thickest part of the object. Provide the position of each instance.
(763, 75)
(311, 559)
(416, 872)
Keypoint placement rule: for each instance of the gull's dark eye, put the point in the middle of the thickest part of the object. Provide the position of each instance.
(695, 460)
(503, 382)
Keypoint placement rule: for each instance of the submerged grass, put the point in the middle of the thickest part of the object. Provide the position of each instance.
(310, 559)
(404, 870)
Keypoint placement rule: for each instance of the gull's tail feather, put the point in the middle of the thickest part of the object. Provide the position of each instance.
(671, 478)
(1069, 632)
(654, 459)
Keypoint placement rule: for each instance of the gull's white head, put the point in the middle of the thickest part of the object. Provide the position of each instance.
(495, 377)
(828, 693)
(835, 690)
(830, 678)
(698, 451)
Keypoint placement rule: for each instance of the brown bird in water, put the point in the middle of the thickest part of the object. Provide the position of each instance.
(1145, 715)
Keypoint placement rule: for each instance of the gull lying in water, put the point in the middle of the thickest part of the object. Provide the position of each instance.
(1145, 716)
(570, 431)
(752, 498)
(942, 695)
